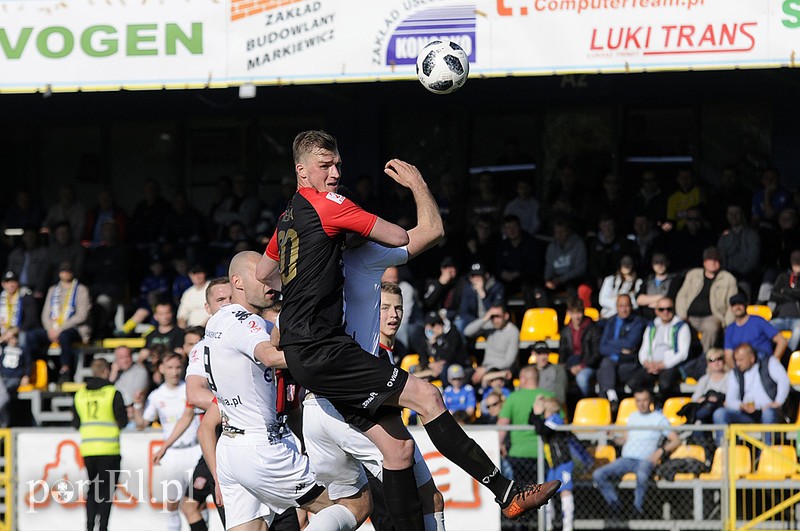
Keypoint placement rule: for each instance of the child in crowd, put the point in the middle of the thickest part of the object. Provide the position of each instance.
(545, 416)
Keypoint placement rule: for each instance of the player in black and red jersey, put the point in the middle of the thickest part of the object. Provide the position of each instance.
(306, 252)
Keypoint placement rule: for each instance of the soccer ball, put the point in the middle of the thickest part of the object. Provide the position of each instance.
(442, 67)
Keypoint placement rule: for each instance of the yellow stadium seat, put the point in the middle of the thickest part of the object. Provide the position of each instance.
(409, 361)
(688, 451)
(539, 324)
(787, 334)
(794, 368)
(741, 460)
(762, 310)
(776, 462)
(72, 387)
(592, 412)
(591, 313)
(626, 407)
(38, 378)
(603, 454)
(671, 407)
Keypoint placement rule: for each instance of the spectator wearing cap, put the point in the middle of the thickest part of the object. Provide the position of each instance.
(765, 339)
(552, 377)
(481, 292)
(502, 341)
(444, 291)
(665, 347)
(458, 396)
(579, 347)
(786, 296)
(565, 263)
(703, 298)
(624, 282)
(443, 347)
(19, 316)
(65, 318)
(192, 310)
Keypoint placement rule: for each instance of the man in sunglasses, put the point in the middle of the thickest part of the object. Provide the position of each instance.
(665, 346)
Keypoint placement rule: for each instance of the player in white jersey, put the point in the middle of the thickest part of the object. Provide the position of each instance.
(259, 468)
(167, 404)
(336, 448)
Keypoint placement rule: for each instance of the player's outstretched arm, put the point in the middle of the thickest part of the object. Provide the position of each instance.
(197, 392)
(430, 228)
(180, 427)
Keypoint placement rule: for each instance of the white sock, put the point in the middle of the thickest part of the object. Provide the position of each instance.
(568, 509)
(439, 517)
(612, 395)
(549, 514)
(173, 521)
(434, 521)
(204, 515)
(336, 517)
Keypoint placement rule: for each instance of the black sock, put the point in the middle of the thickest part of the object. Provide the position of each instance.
(199, 525)
(451, 440)
(402, 499)
(221, 512)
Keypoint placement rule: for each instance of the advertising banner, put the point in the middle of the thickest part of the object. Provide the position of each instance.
(91, 45)
(51, 484)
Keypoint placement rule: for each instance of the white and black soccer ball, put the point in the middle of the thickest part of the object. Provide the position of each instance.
(442, 66)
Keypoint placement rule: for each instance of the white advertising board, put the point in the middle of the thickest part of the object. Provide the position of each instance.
(64, 45)
(47, 459)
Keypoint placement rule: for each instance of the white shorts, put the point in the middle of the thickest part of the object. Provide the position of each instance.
(171, 478)
(337, 450)
(258, 479)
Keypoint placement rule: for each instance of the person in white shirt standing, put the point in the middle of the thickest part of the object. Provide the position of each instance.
(192, 308)
(167, 403)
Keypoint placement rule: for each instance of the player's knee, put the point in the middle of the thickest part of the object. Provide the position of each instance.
(360, 504)
(399, 455)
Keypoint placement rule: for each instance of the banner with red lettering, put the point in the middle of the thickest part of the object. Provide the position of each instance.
(63, 45)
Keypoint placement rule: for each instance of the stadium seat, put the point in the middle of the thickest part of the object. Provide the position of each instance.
(603, 454)
(688, 451)
(626, 407)
(539, 324)
(38, 378)
(592, 412)
(794, 368)
(409, 361)
(776, 463)
(591, 313)
(671, 407)
(762, 310)
(741, 460)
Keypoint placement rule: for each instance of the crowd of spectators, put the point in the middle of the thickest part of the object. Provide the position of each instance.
(659, 258)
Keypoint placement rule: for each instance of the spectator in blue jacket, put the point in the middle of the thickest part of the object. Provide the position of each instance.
(619, 348)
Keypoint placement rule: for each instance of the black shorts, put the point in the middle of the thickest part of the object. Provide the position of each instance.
(202, 483)
(355, 381)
